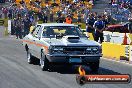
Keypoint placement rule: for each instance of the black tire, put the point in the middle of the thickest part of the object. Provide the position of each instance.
(44, 63)
(29, 57)
(94, 66)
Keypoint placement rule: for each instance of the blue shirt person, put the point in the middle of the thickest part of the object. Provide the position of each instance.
(99, 26)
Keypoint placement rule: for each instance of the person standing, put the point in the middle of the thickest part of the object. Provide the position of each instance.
(27, 24)
(51, 17)
(79, 17)
(89, 25)
(40, 15)
(68, 19)
(105, 20)
(45, 18)
(18, 23)
(21, 2)
(13, 26)
(60, 19)
(130, 24)
(32, 19)
(10, 13)
(86, 12)
(5, 12)
(99, 26)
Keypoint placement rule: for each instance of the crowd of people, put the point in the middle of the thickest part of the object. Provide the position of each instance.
(76, 12)
(122, 9)
(64, 12)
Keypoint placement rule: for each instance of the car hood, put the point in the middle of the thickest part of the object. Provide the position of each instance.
(65, 42)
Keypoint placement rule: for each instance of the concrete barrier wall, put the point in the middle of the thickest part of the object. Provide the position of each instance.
(130, 53)
(114, 51)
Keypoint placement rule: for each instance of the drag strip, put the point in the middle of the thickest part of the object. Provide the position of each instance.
(15, 72)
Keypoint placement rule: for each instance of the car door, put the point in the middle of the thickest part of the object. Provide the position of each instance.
(38, 42)
(34, 40)
(29, 39)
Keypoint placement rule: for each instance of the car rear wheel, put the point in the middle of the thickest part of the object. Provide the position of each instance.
(29, 57)
(44, 63)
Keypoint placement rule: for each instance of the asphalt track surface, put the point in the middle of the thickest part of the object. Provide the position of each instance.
(15, 72)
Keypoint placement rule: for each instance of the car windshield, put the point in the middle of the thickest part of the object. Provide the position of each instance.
(52, 31)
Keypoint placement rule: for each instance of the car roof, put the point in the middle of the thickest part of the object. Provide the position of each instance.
(56, 24)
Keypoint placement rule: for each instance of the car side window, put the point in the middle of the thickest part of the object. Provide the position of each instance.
(36, 31)
(44, 33)
(39, 32)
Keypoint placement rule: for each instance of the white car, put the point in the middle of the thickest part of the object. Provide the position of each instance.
(61, 43)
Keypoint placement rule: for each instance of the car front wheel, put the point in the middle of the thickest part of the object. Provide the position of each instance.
(44, 63)
(29, 57)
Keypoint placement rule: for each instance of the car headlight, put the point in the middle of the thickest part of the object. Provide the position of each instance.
(92, 50)
(89, 49)
(57, 49)
(95, 48)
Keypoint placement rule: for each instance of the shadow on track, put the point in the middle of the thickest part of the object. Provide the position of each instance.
(73, 69)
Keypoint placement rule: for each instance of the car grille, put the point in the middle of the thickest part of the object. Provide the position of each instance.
(75, 50)
(78, 50)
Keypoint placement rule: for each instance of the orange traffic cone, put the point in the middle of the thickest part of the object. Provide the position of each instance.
(125, 40)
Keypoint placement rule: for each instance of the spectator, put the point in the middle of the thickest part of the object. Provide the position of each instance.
(10, 13)
(22, 2)
(18, 23)
(89, 25)
(32, 19)
(38, 2)
(99, 26)
(68, 19)
(79, 17)
(130, 24)
(105, 20)
(13, 26)
(51, 17)
(60, 19)
(59, 13)
(5, 12)
(27, 24)
(45, 18)
(40, 15)
(86, 12)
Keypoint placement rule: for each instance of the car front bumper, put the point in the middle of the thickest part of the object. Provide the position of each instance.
(73, 59)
